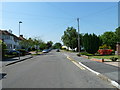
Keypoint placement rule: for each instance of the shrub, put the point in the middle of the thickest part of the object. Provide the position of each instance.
(23, 51)
(2, 47)
(67, 49)
(85, 53)
(63, 48)
(113, 58)
(105, 51)
(78, 54)
(104, 47)
(113, 52)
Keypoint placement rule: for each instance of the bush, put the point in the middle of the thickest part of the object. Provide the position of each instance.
(78, 54)
(63, 48)
(85, 53)
(113, 58)
(113, 52)
(67, 49)
(23, 51)
(104, 47)
(105, 51)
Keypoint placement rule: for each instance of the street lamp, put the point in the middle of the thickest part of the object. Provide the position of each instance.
(19, 27)
(19, 35)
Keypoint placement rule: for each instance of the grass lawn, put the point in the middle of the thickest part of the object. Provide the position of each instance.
(37, 53)
(105, 57)
(9, 56)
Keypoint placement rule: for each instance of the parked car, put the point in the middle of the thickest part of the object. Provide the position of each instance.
(23, 52)
(13, 52)
(50, 49)
(57, 50)
(45, 51)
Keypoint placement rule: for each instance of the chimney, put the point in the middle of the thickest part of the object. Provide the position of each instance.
(21, 36)
(10, 31)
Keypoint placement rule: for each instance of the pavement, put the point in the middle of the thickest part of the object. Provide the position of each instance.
(10, 61)
(109, 70)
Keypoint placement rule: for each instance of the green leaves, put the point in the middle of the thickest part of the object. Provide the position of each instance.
(91, 43)
(117, 32)
(57, 46)
(70, 37)
(30, 43)
(109, 38)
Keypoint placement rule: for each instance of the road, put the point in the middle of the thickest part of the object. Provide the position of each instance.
(53, 70)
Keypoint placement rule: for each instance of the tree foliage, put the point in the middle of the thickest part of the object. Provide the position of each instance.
(70, 37)
(91, 43)
(117, 32)
(43, 46)
(57, 45)
(110, 39)
(32, 43)
(49, 44)
(3, 46)
(27, 43)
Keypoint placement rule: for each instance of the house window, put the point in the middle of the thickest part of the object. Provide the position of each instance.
(9, 46)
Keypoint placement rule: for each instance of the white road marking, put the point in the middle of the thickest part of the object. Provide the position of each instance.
(76, 63)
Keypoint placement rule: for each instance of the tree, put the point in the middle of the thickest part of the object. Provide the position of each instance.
(110, 39)
(117, 32)
(27, 43)
(37, 41)
(3, 46)
(70, 38)
(49, 44)
(31, 43)
(57, 45)
(43, 46)
(91, 43)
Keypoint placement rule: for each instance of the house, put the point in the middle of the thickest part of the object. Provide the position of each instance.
(11, 40)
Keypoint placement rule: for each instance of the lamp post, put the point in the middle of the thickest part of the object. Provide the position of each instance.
(19, 27)
(19, 35)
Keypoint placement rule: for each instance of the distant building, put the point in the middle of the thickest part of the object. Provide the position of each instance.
(11, 40)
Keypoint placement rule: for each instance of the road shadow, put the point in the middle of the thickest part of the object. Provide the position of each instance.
(2, 75)
(111, 61)
(10, 59)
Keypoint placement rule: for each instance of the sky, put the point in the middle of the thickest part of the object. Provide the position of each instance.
(49, 20)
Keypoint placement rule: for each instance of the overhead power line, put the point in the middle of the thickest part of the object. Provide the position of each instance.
(98, 12)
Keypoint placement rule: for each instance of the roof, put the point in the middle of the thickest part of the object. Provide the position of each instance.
(21, 38)
(5, 32)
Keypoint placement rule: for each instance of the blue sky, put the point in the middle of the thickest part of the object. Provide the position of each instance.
(49, 20)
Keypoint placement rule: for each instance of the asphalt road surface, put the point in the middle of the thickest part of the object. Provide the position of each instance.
(53, 70)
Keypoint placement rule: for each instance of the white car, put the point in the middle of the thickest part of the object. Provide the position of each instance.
(45, 51)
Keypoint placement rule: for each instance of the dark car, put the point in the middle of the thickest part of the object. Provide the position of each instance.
(13, 52)
(23, 52)
(57, 50)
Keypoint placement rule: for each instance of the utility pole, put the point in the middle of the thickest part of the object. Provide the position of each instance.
(78, 36)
